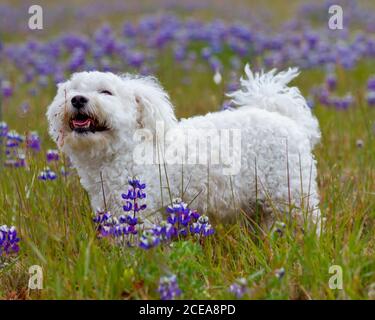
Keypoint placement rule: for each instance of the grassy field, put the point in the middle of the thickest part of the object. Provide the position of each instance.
(54, 218)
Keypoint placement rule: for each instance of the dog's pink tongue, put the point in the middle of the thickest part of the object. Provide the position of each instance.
(81, 123)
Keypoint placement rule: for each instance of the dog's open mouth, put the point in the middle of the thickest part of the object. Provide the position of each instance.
(84, 123)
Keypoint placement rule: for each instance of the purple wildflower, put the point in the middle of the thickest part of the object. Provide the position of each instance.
(101, 216)
(15, 159)
(168, 288)
(371, 84)
(239, 288)
(3, 129)
(7, 90)
(106, 224)
(14, 139)
(342, 103)
(148, 240)
(165, 231)
(125, 226)
(371, 98)
(25, 107)
(33, 141)
(135, 193)
(52, 155)
(47, 174)
(187, 221)
(8, 240)
(207, 230)
(331, 81)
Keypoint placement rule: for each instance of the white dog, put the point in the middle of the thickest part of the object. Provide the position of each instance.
(110, 128)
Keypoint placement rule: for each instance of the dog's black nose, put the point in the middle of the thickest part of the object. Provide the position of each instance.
(79, 102)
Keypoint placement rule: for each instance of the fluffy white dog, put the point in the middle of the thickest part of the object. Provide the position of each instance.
(115, 127)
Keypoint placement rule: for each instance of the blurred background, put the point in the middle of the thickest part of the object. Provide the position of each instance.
(197, 49)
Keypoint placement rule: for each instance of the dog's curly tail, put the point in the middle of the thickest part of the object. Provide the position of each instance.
(269, 91)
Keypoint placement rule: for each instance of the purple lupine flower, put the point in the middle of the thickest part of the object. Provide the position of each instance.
(168, 288)
(324, 97)
(106, 224)
(371, 98)
(8, 241)
(14, 139)
(207, 230)
(25, 107)
(202, 227)
(33, 141)
(165, 231)
(133, 195)
(136, 59)
(194, 214)
(52, 155)
(172, 218)
(206, 53)
(331, 81)
(7, 90)
(101, 216)
(128, 206)
(135, 183)
(77, 59)
(179, 53)
(195, 227)
(47, 174)
(239, 288)
(342, 103)
(178, 213)
(129, 219)
(148, 240)
(20, 161)
(371, 84)
(131, 229)
(15, 158)
(187, 221)
(215, 65)
(3, 129)
(126, 226)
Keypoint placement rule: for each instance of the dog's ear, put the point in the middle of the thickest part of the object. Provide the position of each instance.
(152, 104)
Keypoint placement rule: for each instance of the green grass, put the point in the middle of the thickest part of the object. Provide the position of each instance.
(54, 220)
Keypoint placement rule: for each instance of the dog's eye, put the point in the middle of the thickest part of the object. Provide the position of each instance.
(106, 92)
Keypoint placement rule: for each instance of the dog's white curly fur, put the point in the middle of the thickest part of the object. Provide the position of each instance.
(278, 133)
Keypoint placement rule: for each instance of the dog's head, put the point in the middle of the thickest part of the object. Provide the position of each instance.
(95, 111)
